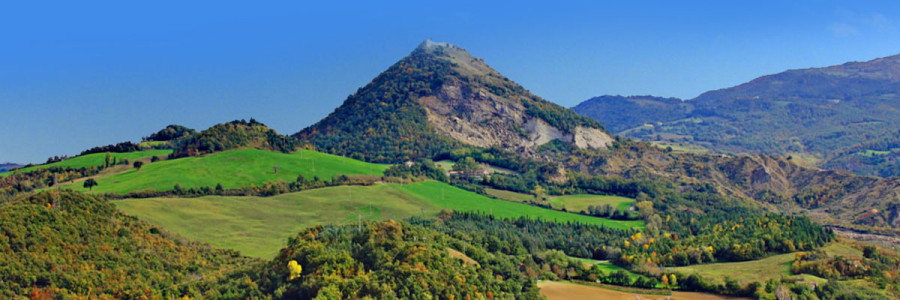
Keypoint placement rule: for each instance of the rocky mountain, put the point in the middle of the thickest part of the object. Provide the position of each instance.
(439, 98)
(816, 113)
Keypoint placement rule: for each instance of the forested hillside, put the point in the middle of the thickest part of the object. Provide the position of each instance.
(69, 244)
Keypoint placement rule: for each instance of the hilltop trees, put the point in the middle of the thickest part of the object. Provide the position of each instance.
(171, 132)
(233, 135)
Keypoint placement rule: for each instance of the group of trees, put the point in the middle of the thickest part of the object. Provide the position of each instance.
(171, 132)
(233, 135)
(116, 148)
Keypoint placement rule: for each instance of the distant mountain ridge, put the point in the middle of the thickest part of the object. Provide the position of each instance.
(9, 166)
(820, 112)
(439, 98)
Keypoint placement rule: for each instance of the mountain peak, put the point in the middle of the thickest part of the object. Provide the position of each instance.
(430, 45)
(440, 98)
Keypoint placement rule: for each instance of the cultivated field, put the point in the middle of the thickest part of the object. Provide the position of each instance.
(233, 169)
(450, 197)
(259, 226)
(576, 203)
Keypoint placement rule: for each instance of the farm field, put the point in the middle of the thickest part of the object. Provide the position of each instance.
(577, 203)
(555, 290)
(446, 196)
(233, 169)
(761, 270)
(508, 195)
(572, 203)
(259, 226)
(93, 160)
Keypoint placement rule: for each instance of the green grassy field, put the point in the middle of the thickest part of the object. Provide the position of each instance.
(871, 153)
(233, 169)
(573, 203)
(578, 203)
(446, 196)
(93, 160)
(149, 144)
(761, 270)
(259, 226)
(508, 195)
(744, 272)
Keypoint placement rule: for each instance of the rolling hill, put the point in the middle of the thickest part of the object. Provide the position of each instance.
(232, 169)
(816, 114)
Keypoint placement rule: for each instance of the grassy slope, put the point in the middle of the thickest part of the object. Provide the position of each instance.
(450, 197)
(508, 195)
(93, 160)
(258, 226)
(762, 269)
(573, 203)
(581, 202)
(233, 169)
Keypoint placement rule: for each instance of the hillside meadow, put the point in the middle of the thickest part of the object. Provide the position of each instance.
(258, 226)
(232, 169)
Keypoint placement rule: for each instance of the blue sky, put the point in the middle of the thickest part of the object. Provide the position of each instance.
(75, 75)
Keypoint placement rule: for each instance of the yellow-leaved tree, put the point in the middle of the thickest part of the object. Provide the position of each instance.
(295, 269)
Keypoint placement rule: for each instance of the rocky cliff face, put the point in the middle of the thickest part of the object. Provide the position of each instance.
(480, 107)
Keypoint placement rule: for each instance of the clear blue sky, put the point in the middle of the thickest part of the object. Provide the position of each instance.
(76, 75)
